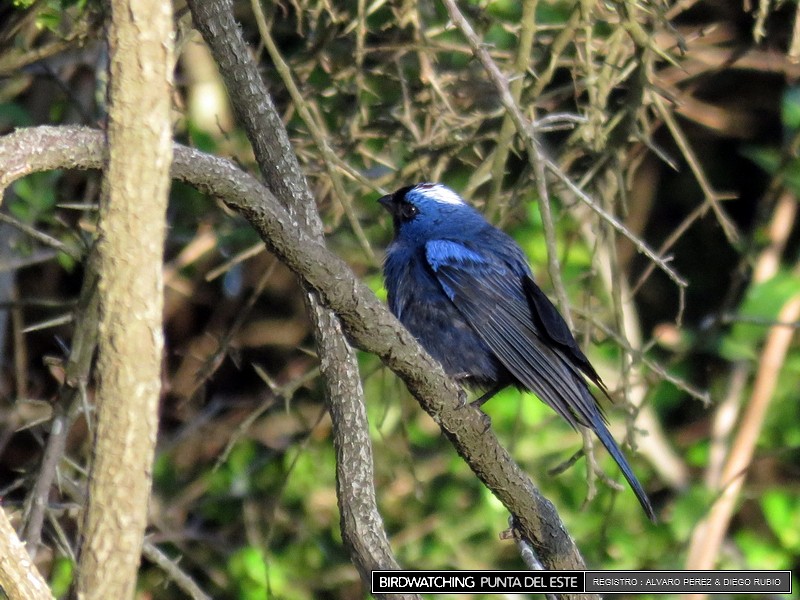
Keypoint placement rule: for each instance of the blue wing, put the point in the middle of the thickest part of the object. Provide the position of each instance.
(494, 291)
(492, 295)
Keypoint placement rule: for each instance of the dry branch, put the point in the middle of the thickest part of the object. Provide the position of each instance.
(361, 523)
(364, 318)
(19, 577)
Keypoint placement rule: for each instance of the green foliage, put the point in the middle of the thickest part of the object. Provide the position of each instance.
(13, 115)
(790, 109)
(35, 197)
(758, 311)
(49, 14)
(782, 512)
(771, 159)
(61, 576)
(248, 572)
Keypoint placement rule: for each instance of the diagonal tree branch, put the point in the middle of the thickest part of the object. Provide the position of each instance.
(361, 524)
(19, 577)
(66, 408)
(367, 322)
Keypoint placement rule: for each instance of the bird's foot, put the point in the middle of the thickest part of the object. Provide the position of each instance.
(485, 419)
(462, 379)
(462, 403)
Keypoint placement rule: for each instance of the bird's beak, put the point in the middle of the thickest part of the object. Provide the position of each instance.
(386, 202)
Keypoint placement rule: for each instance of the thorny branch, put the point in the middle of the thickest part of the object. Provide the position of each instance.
(361, 523)
(541, 162)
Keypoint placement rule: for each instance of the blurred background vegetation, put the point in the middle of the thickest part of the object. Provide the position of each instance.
(681, 118)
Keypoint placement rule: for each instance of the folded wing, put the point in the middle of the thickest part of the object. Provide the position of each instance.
(492, 297)
(501, 302)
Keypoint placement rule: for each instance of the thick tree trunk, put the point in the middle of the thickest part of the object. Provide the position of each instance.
(130, 247)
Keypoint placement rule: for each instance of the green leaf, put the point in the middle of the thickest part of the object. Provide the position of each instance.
(49, 19)
(14, 115)
(508, 10)
(782, 512)
(248, 571)
(770, 159)
(790, 108)
(375, 283)
(758, 311)
(35, 197)
(760, 552)
(688, 510)
(61, 575)
(66, 262)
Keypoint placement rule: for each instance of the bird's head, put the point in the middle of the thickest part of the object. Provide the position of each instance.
(426, 210)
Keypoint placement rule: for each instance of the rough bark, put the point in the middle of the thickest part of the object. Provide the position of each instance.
(130, 249)
(19, 578)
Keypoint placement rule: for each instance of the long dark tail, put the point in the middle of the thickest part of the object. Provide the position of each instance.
(605, 436)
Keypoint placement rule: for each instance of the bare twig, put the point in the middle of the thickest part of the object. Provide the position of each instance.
(759, 31)
(250, 252)
(712, 198)
(527, 552)
(334, 165)
(173, 570)
(767, 264)
(540, 162)
(285, 393)
(662, 263)
(40, 236)
(507, 129)
(215, 358)
(48, 323)
(794, 47)
(526, 131)
(76, 373)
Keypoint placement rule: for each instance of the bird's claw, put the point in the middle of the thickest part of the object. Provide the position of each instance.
(486, 419)
(476, 404)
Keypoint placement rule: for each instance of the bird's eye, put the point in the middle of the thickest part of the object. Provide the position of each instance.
(407, 211)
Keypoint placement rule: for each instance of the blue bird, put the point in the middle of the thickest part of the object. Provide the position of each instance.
(464, 289)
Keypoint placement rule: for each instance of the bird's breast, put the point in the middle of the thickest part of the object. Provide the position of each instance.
(417, 299)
